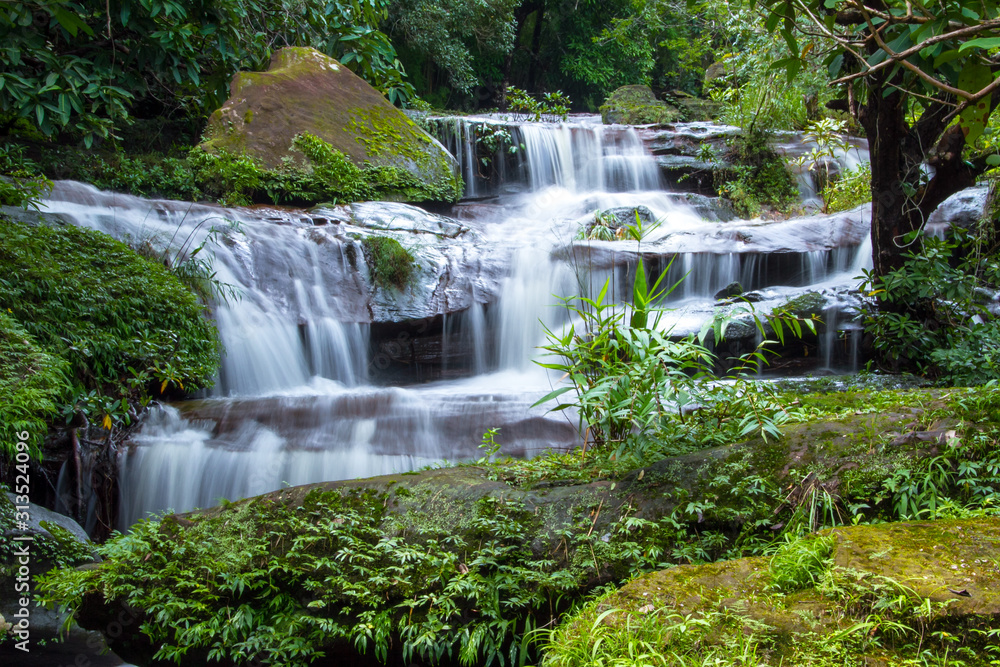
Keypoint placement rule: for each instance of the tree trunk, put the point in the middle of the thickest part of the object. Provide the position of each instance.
(892, 211)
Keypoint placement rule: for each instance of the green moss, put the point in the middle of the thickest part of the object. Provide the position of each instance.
(637, 105)
(389, 263)
(856, 606)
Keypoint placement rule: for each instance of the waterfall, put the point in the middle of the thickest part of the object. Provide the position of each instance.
(323, 375)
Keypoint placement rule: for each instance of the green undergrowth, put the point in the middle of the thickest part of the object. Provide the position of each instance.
(90, 326)
(262, 581)
(465, 563)
(33, 384)
(325, 175)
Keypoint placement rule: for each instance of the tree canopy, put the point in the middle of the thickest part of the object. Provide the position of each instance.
(922, 78)
(81, 67)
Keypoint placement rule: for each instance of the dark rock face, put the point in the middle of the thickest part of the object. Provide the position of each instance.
(304, 91)
(636, 105)
(49, 540)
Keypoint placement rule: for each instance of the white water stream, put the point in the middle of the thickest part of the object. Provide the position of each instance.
(296, 401)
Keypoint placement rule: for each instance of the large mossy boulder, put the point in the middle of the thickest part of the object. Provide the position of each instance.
(306, 92)
(871, 594)
(637, 105)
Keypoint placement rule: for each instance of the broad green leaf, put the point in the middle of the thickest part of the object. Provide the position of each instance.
(552, 394)
(981, 43)
(973, 78)
(835, 65)
(946, 57)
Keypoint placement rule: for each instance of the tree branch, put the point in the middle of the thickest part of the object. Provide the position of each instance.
(930, 41)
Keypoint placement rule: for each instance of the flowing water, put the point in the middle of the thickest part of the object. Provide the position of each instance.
(328, 377)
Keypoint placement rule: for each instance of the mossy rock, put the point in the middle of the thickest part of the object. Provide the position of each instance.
(637, 105)
(928, 576)
(697, 109)
(306, 92)
(810, 304)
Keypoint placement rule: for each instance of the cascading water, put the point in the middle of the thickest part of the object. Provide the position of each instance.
(309, 341)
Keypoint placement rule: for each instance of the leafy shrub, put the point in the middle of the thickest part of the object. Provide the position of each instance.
(523, 105)
(123, 323)
(390, 264)
(21, 183)
(758, 178)
(933, 314)
(637, 390)
(33, 383)
(260, 581)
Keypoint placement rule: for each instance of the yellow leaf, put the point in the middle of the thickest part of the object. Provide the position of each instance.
(107, 422)
(163, 386)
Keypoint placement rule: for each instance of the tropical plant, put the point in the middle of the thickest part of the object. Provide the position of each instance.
(937, 317)
(635, 387)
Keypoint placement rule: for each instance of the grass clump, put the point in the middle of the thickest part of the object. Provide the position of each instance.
(123, 326)
(800, 563)
(390, 264)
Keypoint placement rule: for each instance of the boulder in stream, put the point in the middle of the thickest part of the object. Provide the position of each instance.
(636, 105)
(304, 91)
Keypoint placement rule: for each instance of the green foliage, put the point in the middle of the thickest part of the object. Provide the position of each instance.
(33, 383)
(526, 107)
(852, 189)
(634, 387)
(463, 39)
(21, 184)
(937, 319)
(237, 180)
(72, 67)
(390, 264)
(828, 136)
(261, 581)
(800, 563)
(124, 324)
(757, 179)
